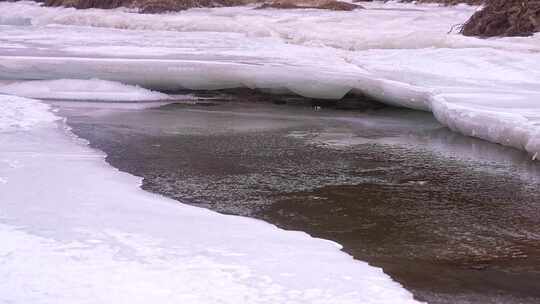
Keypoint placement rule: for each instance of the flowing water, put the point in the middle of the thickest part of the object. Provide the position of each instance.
(453, 218)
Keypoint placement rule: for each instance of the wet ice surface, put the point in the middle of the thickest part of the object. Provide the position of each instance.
(73, 89)
(398, 53)
(453, 218)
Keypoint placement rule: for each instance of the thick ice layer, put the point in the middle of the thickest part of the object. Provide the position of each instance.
(74, 89)
(86, 233)
(400, 54)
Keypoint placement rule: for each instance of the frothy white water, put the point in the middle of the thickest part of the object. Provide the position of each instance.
(398, 53)
(74, 230)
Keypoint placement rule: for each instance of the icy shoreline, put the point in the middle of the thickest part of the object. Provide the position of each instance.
(397, 53)
(101, 239)
(86, 233)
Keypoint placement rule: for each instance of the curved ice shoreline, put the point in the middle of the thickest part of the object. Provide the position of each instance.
(74, 230)
(102, 239)
(483, 88)
(512, 118)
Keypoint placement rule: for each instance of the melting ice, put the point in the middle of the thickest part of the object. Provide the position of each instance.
(400, 54)
(101, 239)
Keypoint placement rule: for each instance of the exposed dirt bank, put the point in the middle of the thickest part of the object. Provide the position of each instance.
(505, 18)
(163, 6)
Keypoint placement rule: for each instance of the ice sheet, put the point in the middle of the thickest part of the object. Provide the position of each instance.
(401, 54)
(76, 89)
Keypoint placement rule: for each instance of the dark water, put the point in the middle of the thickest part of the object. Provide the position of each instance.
(452, 218)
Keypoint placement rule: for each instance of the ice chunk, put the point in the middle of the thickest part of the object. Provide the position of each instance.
(510, 128)
(75, 89)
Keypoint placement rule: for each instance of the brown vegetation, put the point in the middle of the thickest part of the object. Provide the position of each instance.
(505, 18)
(162, 6)
(145, 6)
(448, 2)
(498, 17)
(318, 4)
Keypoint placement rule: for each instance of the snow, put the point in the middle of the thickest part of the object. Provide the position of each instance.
(22, 114)
(86, 233)
(401, 54)
(75, 89)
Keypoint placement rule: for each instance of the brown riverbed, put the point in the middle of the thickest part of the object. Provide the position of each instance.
(452, 218)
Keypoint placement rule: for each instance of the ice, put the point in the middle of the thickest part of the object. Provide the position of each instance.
(86, 233)
(21, 113)
(401, 54)
(403, 27)
(76, 89)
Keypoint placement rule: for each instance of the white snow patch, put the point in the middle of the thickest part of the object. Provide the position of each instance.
(21, 113)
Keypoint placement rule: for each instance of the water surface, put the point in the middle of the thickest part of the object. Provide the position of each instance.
(452, 218)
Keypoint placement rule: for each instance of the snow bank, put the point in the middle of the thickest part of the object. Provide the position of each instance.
(398, 53)
(407, 26)
(86, 233)
(74, 89)
(510, 128)
(22, 114)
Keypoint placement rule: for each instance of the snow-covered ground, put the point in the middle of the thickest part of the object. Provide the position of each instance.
(399, 53)
(74, 230)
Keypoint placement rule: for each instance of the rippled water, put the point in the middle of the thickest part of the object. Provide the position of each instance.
(454, 219)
